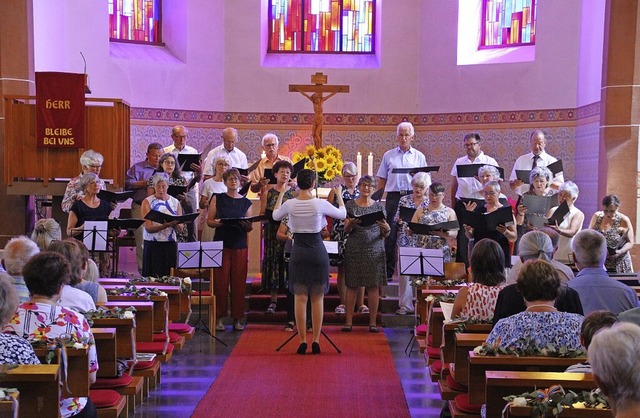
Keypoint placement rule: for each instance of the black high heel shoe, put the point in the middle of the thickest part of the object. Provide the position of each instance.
(302, 349)
(315, 348)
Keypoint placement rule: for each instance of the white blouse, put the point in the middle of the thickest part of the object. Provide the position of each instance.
(307, 216)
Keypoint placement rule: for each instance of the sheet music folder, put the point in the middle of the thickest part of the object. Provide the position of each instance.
(420, 261)
(489, 221)
(185, 161)
(413, 170)
(426, 229)
(406, 214)
(231, 221)
(555, 168)
(471, 170)
(559, 214)
(129, 223)
(369, 218)
(112, 197)
(160, 217)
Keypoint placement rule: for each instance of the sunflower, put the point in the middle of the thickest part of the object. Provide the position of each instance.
(297, 156)
(321, 164)
(310, 150)
(331, 160)
(329, 174)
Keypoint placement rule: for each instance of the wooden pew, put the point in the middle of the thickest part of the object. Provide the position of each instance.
(173, 296)
(39, 387)
(105, 339)
(500, 384)
(7, 407)
(125, 335)
(463, 344)
(479, 365)
(77, 384)
(449, 340)
(144, 316)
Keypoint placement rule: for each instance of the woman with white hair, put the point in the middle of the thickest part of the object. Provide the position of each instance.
(572, 223)
(91, 162)
(160, 251)
(613, 355)
(349, 192)
(540, 180)
(211, 186)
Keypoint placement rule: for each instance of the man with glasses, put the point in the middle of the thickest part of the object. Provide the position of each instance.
(397, 185)
(536, 158)
(270, 147)
(467, 187)
(179, 135)
(227, 148)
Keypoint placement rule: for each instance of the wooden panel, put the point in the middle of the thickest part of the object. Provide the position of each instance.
(144, 316)
(107, 131)
(125, 335)
(77, 370)
(105, 339)
(39, 389)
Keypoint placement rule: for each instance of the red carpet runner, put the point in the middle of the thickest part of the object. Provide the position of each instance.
(257, 381)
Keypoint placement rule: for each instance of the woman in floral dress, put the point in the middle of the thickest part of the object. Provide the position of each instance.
(273, 266)
(614, 226)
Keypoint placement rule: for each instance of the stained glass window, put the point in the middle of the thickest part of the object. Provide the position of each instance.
(321, 26)
(135, 20)
(507, 23)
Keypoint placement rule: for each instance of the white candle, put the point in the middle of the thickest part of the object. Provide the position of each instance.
(359, 164)
(370, 164)
(263, 155)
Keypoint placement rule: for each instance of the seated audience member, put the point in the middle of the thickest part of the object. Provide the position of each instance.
(532, 246)
(71, 297)
(541, 322)
(16, 254)
(613, 355)
(45, 231)
(536, 247)
(592, 323)
(597, 290)
(42, 318)
(632, 315)
(13, 348)
(92, 287)
(478, 300)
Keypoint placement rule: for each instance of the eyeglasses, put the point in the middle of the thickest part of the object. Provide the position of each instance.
(169, 162)
(471, 144)
(97, 167)
(491, 193)
(366, 186)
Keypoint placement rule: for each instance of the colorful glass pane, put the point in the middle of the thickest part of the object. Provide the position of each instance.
(508, 23)
(321, 25)
(135, 20)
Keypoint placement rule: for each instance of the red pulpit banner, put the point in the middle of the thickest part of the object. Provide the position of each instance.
(59, 110)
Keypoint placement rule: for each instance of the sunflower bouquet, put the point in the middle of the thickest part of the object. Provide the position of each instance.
(326, 161)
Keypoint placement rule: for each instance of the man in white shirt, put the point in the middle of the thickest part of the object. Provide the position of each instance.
(227, 148)
(270, 147)
(536, 158)
(467, 187)
(179, 136)
(397, 184)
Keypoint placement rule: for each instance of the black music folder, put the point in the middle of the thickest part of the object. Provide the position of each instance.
(414, 170)
(559, 214)
(426, 229)
(160, 217)
(232, 221)
(471, 170)
(406, 214)
(369, 218)
(555, 168)
(489, 221)
(115, 196)
(125, 223)
(471, 200)
(377, 195)
(185, 161)
(176, 190)
(245, 189)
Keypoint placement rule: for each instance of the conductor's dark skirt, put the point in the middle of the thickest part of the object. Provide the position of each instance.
(308, 265)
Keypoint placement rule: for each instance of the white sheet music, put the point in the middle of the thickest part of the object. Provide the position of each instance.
(421, 262)
(199, 254)
(331, 246)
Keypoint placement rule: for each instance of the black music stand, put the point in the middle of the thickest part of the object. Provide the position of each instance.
(201, 255)
(419, 262)
(332, 250)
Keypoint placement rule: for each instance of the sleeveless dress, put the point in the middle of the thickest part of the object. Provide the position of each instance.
(481, 301)
(364, 261)
(160, 251)
(273, 265)
(613, 235)
(434, 242)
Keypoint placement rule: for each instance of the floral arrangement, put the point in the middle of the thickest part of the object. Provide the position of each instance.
(126, 313)
(445, 297)
(555, 397)
(327, 161)
(529, 348)
(133, 290)
(184, 283)
(418, 281)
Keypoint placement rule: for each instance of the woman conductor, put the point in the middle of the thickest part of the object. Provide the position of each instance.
(309, 262)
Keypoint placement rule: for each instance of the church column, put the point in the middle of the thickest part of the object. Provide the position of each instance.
(16, 62)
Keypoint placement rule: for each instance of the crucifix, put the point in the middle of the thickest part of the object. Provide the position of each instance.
(315, 93)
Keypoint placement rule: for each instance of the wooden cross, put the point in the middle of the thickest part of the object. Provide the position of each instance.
(315, 93)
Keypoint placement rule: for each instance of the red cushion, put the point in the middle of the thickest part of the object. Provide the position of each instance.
(160, 337)
(112, 382)
(433, 352)
(104, 398)
(436, 366)
(147, 347)
(142, 365)
(422, 330)
(462, 402)
(455, 385)
(180, 328)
